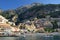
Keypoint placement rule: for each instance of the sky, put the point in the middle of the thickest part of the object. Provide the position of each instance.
(13, 4)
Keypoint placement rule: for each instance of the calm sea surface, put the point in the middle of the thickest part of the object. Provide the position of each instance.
(32, 37)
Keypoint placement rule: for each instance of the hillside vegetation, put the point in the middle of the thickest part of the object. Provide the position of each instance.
(29, 12)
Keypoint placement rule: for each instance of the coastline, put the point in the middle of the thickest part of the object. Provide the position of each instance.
(34, 34)
(42, 34)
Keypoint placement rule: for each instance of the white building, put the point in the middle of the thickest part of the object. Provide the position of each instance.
(6, 28)
(3, 20)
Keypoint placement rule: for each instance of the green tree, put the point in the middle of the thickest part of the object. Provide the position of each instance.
(54, 24)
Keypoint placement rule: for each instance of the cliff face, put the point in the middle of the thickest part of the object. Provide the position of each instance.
(29, 12)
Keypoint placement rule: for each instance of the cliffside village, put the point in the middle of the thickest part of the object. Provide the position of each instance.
(6, 29)
(10, 29)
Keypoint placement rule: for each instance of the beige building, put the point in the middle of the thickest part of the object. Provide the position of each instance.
(7, 29)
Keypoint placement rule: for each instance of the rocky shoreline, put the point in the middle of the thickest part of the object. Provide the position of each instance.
(41, 34)
(46, 33)
(32, 34)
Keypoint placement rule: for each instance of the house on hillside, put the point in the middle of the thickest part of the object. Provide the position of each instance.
(48, 24)
(3, 20)
(30, 26)
(43, 23)
(7, 29)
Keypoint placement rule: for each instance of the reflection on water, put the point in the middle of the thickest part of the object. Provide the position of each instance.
(31, 37)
